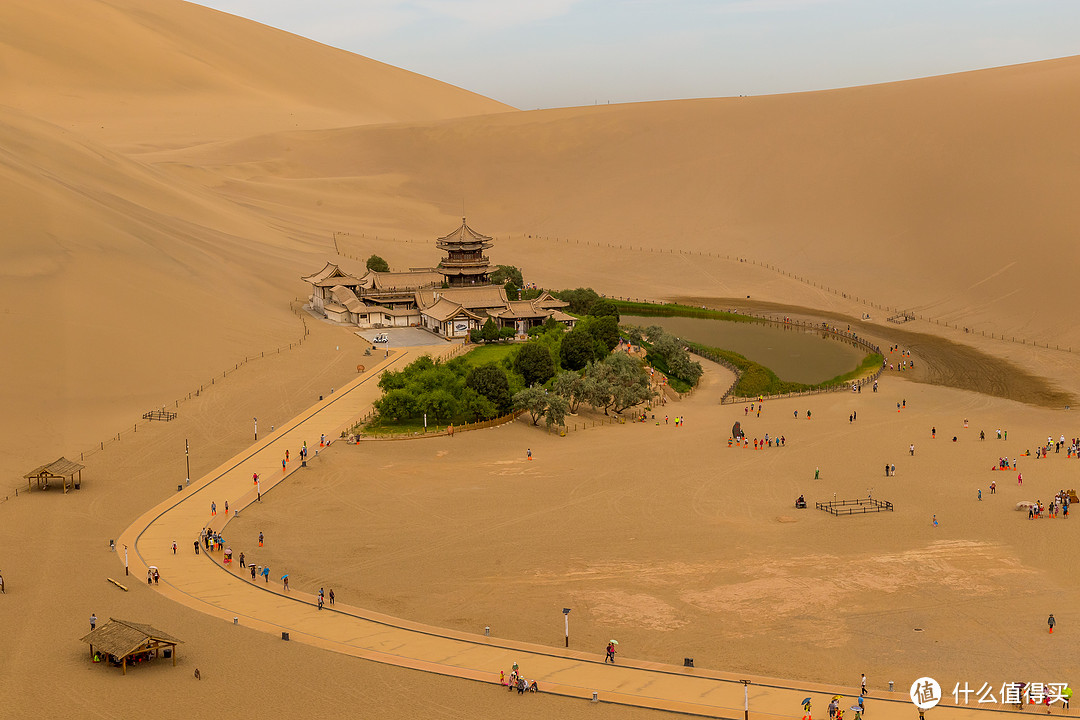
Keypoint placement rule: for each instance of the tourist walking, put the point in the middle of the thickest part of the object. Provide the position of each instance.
(610, 656)
(1051, 622)
(285, 582)
(196, 547)
(213, 508)
(93, 621)
(260, 539)
(528, 453)
(331, 594)
(1019, 478)
(242, 559)
(252, 571)
(863, 684)
(911, 449)
(173, 547)
(2, 590)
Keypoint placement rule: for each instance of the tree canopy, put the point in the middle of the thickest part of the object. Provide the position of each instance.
(534, 363)
(377, 264)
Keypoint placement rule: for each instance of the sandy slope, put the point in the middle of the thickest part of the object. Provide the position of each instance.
(946, 195)
(132, 72)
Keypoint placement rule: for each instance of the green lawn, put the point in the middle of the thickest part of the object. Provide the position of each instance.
(485, 354)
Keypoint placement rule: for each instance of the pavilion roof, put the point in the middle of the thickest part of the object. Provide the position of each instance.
(329, 270)
(122, 637)
(61, 467)
(444, 310)
(464, 234)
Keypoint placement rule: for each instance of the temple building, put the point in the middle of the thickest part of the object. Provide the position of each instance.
(449, 300)
(465, 263)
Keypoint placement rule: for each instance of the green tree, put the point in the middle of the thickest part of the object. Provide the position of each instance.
(534, 400)
(511, 290)
(377, 264)
(555, 412)
(490, 332)
(440, 405)
(605, 331)
(604, 308)
(570, 387)
(490, 382)
(475, 406)
(396, 404)
(507, 274)
(580, 300)
(617, 382)
(533, 362)
(576, 349)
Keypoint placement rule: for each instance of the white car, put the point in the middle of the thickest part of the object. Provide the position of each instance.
(381, 338)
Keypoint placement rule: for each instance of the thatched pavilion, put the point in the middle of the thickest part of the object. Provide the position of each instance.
(125, 641)
(60, 469)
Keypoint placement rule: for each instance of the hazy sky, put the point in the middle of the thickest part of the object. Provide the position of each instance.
(550, 53)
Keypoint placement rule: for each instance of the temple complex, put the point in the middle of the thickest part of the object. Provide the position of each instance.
(449, 300)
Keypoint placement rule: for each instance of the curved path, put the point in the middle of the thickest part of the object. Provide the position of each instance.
(205, 584)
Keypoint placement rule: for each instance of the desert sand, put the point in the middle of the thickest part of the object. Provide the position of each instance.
(167, 174)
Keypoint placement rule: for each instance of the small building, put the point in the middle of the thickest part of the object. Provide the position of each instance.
(60, 469)
(121, 642)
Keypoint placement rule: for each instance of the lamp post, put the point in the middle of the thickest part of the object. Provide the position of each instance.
(746, 699)
(125, 560)
(566, 620)
(256, 429)
(187, 459)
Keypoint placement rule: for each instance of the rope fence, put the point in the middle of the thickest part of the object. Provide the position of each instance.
(295, 305)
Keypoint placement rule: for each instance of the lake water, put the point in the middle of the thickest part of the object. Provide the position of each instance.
(794, 354)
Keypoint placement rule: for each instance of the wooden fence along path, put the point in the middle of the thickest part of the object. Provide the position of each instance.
(855, 507)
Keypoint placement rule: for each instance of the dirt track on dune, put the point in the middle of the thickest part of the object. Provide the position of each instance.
(941, 361)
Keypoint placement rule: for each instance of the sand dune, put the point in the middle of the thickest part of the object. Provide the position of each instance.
(945, 195)
(134, 72)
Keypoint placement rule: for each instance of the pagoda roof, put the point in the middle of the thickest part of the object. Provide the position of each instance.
(464, 235)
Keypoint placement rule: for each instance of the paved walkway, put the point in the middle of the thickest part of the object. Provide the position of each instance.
(204, 583)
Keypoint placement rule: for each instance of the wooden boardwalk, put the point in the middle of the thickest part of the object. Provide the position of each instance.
(203, 583)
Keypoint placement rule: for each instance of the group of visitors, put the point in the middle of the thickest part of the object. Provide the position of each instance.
(517, 681)
(1058, 506)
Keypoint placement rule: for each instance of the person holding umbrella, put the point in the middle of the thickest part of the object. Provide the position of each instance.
(806, 708)
(610, 656)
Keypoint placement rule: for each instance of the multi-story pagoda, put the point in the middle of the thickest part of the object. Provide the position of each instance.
(465, 262)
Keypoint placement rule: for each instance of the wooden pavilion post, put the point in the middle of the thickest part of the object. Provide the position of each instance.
(174, 656)
(123, 664)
